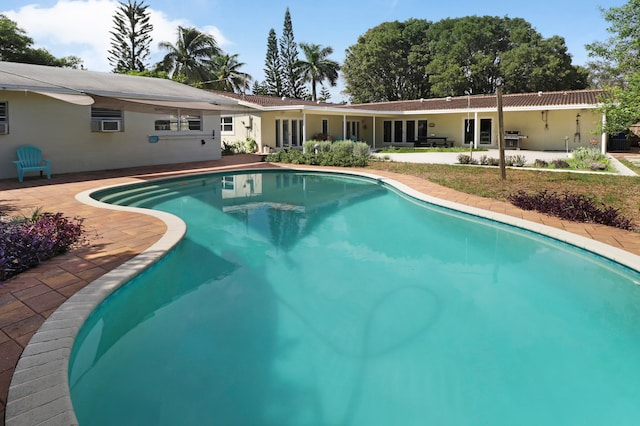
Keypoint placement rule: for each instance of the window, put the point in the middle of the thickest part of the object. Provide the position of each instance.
(106, 120)
(485, 131)
(469, 130)
(411, 131)
(178, 123)
(325, 126)
(228, 183)
(397, 131)
(289, 132)
(353, 130)
(226, 124)
(386, 126)
(422, 129)
(193, 122)
(295, 140)
(4, 118)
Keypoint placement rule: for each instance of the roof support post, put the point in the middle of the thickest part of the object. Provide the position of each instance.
(304, 126)
(374, 132)
(344, 127)
(603, 137)
(476, 130)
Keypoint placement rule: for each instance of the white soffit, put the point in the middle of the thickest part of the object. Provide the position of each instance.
(72, 98)
(187, 105)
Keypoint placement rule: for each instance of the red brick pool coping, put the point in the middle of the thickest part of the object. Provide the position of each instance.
(116, 237)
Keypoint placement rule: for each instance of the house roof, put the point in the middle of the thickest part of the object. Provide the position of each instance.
(71, 84)
(513, 102)
(271, 101)
(519, 101)
(78, 86)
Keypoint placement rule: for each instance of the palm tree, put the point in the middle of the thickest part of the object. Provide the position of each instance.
(227, 75)
(317, 67)
(189, 60)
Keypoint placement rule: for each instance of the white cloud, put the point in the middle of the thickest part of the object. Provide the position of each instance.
(81, 28)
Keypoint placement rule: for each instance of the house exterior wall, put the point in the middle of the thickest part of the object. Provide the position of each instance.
(245, 126)
(63, 132)
(546, 131)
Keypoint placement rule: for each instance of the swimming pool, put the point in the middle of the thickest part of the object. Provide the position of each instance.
(301, 298)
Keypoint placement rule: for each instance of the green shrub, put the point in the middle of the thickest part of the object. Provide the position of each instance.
(466, 159)
(309, 147)
(342, 154)
(560, 164)
(292, 156)
(540, 163)
(345, 147)
(583, 157)
(250, 145)
(361, 149)
(515, 160)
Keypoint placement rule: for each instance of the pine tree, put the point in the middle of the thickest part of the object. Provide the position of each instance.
(130, 38)
(292, 82)
(325, 95)
(258, 88)
(273, 67)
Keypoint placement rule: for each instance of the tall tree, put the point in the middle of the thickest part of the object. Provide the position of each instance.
(227, 75)
(130, 37)
(273, 67)
(188, 60)
(16, 46)
(258, 88)
(622, 106)
(619, 68)
(317, 67)
(470, 55)
(325, 95)
(622, 49)
(388, 63)
(293, 86)
(476, 54)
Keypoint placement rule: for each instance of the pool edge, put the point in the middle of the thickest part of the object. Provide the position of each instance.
(39, 390)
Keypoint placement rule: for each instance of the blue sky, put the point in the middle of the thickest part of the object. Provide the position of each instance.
(81, 27)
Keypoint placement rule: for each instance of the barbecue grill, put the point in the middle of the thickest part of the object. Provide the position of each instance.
(512, 139)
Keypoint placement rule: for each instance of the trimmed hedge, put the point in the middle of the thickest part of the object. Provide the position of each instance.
(324, 153)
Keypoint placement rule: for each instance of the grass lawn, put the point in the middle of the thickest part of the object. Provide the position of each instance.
(620, 192)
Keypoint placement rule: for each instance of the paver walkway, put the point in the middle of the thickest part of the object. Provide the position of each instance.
(116, 236)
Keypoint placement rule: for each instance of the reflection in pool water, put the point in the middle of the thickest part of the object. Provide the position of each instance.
(315, 299)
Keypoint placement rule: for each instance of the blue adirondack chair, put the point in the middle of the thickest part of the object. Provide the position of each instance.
(30, 160)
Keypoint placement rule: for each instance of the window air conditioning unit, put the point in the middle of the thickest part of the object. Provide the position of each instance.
(110, 126)
(4, 128)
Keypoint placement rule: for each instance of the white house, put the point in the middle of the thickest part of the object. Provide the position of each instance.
(86, 120)
(83, 120)
(553, 121)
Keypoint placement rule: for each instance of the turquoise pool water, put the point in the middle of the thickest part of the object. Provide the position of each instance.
(315, 299)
